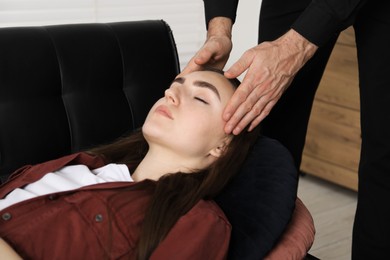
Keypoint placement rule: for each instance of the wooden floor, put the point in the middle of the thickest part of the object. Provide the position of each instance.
(333, 210)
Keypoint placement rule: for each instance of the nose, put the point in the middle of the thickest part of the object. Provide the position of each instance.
(172, 96)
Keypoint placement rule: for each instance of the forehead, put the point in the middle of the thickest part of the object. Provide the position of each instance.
(219, 81)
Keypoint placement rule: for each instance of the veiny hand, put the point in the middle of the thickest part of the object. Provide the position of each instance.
(214, 53)
(271, 66)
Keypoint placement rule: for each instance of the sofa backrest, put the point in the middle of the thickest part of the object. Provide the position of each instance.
(65, 88)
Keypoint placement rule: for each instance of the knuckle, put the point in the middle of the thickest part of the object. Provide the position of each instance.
(247, 107)
(255, 97)
(256, 109)
(259, 91)
(266, 112)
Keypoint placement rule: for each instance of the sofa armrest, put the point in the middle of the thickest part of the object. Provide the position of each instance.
(298, 236)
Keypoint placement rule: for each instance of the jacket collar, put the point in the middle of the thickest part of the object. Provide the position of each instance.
(32, 173)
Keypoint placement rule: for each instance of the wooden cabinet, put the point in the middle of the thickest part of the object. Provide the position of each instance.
(333, 140)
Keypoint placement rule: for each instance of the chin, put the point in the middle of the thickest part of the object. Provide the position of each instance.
(152, 133)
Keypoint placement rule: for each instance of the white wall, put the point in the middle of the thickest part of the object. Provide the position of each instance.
(245, 29)
(185, 17)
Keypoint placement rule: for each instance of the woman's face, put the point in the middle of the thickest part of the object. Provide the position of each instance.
(188, 120)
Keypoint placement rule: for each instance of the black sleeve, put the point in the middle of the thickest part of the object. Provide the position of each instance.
(322, 19)
(215, 8)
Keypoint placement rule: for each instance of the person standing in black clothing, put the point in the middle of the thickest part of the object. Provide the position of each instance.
(283, 73)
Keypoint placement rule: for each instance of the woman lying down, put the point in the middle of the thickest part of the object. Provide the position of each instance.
(146, 196)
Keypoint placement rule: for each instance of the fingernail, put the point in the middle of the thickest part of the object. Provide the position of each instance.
(236, 131)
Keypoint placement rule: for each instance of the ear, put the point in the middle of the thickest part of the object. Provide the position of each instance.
(220, 149)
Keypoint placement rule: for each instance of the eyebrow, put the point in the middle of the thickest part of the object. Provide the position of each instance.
(200, 83)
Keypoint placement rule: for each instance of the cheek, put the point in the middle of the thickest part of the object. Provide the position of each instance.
(154, 126)
(204, 125)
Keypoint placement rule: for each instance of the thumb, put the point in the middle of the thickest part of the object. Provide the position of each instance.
(202, 57)
(190, 67)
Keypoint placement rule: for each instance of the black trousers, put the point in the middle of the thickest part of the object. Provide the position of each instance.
(288, 120)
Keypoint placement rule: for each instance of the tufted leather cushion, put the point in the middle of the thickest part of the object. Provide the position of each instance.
(65, 88)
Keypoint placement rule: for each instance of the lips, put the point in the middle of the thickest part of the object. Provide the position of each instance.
(164, 111)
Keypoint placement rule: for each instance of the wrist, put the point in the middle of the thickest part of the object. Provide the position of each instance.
(220, 27)
(297, 42)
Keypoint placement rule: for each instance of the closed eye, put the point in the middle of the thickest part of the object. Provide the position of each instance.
(201, 100)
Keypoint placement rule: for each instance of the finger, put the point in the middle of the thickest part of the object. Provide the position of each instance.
(238, 116)
(266, 111)
(204, 56)
(251, 115)
(191, 66)
(246, 91)
(259, 111)
(262, 98)
(237, 100)
(241, 65)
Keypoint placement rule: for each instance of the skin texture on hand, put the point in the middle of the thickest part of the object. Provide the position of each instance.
(270, 66)
(216, 49)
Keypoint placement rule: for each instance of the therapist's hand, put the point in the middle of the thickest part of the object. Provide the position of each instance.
(216, 49)
(214, 53)
(270, 66)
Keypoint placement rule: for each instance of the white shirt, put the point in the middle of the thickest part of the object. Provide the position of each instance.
(68, 178)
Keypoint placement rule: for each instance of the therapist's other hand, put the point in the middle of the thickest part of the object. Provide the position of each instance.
(214, 53)
(217, 47)
(270, 66)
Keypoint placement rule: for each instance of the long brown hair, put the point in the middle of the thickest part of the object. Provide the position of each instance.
(176, 193)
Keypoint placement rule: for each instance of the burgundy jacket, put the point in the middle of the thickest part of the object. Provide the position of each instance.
(95, 222)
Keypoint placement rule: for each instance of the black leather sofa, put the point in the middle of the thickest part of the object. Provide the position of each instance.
(67, 88)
